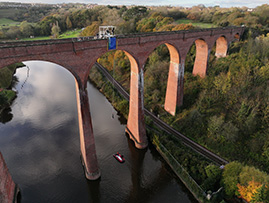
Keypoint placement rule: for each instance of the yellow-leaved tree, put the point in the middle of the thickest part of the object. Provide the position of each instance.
(248, 192)
(90, 30)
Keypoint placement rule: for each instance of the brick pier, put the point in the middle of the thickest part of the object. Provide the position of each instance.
(8, 189)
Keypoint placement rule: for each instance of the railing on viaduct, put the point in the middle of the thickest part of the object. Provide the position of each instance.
(79, 55)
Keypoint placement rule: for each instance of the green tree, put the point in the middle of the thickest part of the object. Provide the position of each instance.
(68, 23)
(13, 32)
(26, 29)
(213, 173)
(136, 12)
(90, 30)
(230, 177)
(46, 24)
(55, 30)
(2, 34)
(261, 195)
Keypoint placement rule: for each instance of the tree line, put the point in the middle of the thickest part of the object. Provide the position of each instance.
(39, 21)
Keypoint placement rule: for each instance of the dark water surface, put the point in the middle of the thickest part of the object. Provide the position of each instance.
(42, 150)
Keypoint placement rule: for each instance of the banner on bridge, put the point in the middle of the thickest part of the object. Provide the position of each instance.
(112, 43)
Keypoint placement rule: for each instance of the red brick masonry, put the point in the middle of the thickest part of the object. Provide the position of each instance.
(8, 189)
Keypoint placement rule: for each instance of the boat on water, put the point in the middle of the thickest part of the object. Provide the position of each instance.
(119, 157)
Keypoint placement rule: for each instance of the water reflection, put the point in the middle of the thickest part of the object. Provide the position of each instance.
(94, 190)
(27, 76)
(42, 150)
(6, 115)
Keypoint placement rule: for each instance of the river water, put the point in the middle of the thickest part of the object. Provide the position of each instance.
(41, 146)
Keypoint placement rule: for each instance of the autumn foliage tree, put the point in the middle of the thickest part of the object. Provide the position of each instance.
(55, 30)
(68, 23)
(245, 182)
(90, 30)
(153, 23)
(248, 192)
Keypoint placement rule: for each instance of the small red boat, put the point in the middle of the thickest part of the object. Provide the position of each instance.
(119, 157)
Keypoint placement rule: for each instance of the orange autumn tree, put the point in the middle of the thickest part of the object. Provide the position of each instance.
(183, 27)
(248, 192)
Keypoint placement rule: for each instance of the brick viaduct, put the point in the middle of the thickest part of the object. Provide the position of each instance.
(78, 56)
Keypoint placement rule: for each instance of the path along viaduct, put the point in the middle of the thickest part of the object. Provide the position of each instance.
(78, 56)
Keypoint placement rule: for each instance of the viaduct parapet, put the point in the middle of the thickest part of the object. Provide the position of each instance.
(79, 55)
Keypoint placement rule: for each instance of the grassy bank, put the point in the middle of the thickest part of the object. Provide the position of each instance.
(68, 34)
(6, 78)
(4, 22)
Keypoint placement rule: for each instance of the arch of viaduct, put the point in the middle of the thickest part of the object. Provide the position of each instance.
(79, 56)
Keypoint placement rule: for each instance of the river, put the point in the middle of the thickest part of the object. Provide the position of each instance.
(42, 151)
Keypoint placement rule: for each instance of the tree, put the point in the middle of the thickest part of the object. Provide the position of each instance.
(90, 30)
(248, 192)
(183, 27)
(68, 23)
(26, 29)
(261, 195)
(154, 23)
(136, 12)
(46, 24)
(13, 32)
(55, 30)
(230, 177)
(194, 16)
(2, 34)
(215, 127)
(213, 173)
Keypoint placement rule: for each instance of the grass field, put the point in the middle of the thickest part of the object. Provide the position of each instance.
(196, 24)
(4, 22)
(36, 38)
(70, 34)
(65, 35)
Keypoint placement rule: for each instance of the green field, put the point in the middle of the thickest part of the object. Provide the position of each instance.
(196, 24)
(4, 22)
(36, 38)
(70, 34)
(65, 35)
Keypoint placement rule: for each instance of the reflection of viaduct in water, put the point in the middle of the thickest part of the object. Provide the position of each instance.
(143, 188)
(79, 56)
